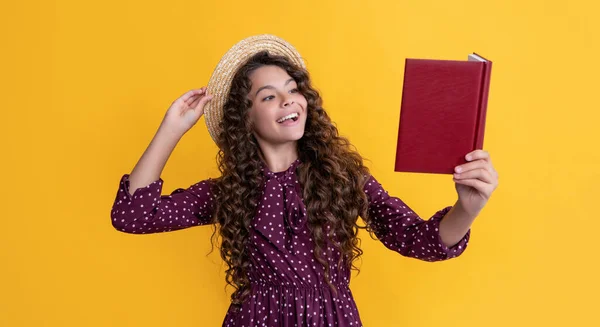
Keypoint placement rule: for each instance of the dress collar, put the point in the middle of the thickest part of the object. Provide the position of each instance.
(290, 170)
(282, 194)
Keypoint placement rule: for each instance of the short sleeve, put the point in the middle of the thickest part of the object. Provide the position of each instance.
(148, 211)
(400, 229)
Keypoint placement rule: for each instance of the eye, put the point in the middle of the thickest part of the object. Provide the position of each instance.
(272, 96)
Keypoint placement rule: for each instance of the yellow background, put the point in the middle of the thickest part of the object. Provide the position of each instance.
(86, 84)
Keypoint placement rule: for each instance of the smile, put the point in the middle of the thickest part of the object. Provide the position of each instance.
(293, 116)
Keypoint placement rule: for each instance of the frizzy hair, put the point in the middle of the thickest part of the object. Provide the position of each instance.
(332, 176)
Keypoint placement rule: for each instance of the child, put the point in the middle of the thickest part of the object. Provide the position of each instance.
(290, 193)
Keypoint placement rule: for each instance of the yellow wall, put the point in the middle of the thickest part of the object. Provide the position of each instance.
(85, 85)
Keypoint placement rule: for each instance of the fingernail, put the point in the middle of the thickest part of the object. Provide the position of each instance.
(469, 157)
(458, 169)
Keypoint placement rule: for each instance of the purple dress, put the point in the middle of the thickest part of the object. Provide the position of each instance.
(288, 285)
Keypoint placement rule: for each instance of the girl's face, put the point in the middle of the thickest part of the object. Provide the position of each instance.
(278, 111)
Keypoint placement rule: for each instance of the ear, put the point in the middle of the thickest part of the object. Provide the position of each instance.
(250, 121)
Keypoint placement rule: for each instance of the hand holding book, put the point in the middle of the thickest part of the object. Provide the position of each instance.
(441, 130)
(475, 181)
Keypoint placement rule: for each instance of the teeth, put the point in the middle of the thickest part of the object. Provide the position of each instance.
(290, 116)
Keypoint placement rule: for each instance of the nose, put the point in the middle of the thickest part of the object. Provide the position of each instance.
(288, 102)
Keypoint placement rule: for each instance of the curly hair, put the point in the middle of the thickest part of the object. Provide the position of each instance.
(332, 177)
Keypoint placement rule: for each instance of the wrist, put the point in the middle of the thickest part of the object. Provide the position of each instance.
(165, 131)
(462, 212)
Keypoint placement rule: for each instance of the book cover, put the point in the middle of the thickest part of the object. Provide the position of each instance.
(442, 113)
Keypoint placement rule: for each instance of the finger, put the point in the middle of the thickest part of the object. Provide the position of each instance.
(478, 154)
(202, 102)
(494, 172)
(194, 101)
(186, 96)
(480, 174)
(478, 164)
(480, 186)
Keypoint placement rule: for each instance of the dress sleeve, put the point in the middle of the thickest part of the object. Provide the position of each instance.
(147, 211)
(402, 230)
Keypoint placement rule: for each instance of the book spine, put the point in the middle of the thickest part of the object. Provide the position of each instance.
(483, 100)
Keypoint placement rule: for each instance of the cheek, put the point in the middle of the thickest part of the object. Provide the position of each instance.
(304, 105)
(303, 101)
(260, 117)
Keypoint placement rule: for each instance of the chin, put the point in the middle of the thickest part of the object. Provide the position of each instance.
(292, 138)
(288, 137)
(296, 135)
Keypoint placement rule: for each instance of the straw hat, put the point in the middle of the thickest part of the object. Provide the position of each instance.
(220, 81)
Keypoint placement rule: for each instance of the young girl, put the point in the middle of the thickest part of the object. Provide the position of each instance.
(291, 190)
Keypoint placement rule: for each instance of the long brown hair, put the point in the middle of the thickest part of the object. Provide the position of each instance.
(332, 175)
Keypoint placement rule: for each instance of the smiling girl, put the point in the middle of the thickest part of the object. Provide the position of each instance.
(291, 190)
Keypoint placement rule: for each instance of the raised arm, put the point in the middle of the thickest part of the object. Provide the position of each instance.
(139, 206)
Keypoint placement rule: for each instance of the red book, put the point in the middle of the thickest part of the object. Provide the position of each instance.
(442, 115)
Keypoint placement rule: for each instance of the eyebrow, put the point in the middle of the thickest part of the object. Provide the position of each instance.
(271, 87)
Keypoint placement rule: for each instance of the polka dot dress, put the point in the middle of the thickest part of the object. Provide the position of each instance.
(287, 283)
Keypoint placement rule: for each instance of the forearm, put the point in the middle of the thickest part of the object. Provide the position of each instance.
(455, 225)
(150, 166)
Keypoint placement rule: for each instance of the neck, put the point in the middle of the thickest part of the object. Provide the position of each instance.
(279, 157)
